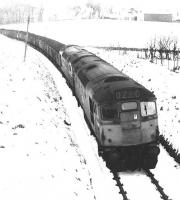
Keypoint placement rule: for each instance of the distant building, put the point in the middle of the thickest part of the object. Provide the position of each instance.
(176, 17)
(158, 17)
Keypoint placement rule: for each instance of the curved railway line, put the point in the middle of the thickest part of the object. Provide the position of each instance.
(116, 175)
(169, 148)
(162, 180)
(156, 183)
(124, 193)
(150, 175)
(120, 185)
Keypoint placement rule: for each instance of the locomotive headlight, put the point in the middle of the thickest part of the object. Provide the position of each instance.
(135, 116)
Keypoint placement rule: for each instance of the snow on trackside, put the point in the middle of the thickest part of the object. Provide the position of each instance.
(40, 155)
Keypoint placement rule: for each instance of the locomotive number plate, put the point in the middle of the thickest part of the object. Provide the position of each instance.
(127, 94)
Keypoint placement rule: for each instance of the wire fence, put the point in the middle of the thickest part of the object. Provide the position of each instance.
(169, 58)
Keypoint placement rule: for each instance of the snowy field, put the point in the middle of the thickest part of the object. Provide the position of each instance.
(44, 136)
(103, 32)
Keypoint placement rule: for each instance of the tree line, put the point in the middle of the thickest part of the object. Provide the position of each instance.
(19, 14)
(162, 49)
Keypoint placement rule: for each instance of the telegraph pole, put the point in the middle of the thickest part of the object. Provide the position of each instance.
(26, 39)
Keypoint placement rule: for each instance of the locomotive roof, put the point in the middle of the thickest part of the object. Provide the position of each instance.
(84, 65)
(103, 80)
(53, 43)
(72, 48)
(75, 56)
(93, 70)
(90, 67)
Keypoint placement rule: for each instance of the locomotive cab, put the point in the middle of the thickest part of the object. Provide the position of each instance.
(128, 129)
(128, 123)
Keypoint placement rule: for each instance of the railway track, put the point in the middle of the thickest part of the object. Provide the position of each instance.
(170, 149)
(120, 185)
(156, 183)
(150, 175)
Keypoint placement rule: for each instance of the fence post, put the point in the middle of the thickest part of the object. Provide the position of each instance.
(26, 39)
(177, 60)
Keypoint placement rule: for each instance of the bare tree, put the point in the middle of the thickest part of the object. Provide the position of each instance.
(152, 48)
(166, 47)
(18, 13)
(40, 14)
(77, 10)
(95, 10)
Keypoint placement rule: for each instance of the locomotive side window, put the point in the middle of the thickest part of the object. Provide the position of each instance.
(129, 106)
(148, 108)
(109, 113)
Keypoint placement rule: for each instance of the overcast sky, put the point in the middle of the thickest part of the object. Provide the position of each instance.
(143, 4)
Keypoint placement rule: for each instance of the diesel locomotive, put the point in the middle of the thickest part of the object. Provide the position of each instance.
(121, 113)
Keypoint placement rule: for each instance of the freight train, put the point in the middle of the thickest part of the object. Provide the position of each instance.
(121, 113)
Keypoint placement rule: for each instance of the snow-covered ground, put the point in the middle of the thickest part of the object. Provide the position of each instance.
(99, 32)
(44, 136)
(44, 153)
